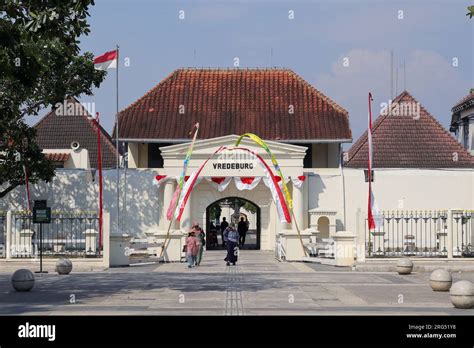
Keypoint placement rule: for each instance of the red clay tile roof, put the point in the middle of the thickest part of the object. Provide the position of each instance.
(464, 100)
(57, 157)
(465, 103)
(59, 131)
(234, 101)
(406, 142)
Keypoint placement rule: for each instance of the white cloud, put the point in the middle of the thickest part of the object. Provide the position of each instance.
(431, 79)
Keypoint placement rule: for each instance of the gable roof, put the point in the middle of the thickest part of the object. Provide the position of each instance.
(408, 142)
(57, 130)
(234, 101)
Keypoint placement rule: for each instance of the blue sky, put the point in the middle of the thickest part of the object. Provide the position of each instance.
(313, 44)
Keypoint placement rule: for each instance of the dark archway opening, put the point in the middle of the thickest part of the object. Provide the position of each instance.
(233, 209)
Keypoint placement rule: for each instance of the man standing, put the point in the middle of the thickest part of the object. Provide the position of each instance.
(224, 225)
(242, 227)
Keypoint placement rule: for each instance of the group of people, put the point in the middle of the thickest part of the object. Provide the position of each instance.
(231, 239)
(195, 242)
(242, 228)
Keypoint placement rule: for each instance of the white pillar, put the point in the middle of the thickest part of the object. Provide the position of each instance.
(8, 231)
(91, 240)
(449, 241)
(298, 207)
(106, 239)
(132, 155)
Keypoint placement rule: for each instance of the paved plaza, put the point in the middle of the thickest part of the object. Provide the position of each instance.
(258, 285)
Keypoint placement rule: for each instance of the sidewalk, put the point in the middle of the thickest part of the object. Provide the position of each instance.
(258, 285)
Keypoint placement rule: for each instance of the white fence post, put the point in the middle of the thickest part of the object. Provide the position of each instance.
(106, 239)
(360, 237)
(449, 241)
(8, 232)
(471, 230)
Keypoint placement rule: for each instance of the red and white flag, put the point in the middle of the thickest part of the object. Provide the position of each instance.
(374, 217)
(106, 61)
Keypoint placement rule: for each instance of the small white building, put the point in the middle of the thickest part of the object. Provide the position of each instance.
(462, 121)
(68, 136)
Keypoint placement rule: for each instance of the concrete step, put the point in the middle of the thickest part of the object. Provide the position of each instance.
(320, 260)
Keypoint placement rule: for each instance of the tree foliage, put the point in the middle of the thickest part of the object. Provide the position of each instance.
(40, 65)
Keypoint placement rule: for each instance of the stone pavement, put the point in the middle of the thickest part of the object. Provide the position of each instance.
(258, 285)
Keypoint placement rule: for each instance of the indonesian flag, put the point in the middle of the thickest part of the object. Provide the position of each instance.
(27, 188)
(246, 183)
(219, 183)
(106, 61)
(374, 216)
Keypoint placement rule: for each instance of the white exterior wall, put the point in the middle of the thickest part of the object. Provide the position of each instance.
(394, 189)
(325, 189)
(74, 190)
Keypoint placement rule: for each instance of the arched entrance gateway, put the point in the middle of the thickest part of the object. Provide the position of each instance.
(235, 183)
(232, 209)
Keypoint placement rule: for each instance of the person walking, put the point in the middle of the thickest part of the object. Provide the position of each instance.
(224, 225)
(201, 240)
(191, 249)
(212, 233)
(242, 228)
(232, 238)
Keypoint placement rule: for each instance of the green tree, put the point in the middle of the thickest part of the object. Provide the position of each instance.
(40, 65)
(471, 11)
(215, 212)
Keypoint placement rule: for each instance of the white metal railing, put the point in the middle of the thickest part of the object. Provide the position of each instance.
(280, 253)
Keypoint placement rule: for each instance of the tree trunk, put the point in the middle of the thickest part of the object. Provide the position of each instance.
(7, 190)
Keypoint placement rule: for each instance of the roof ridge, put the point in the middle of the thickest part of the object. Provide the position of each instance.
(435, 120)
(87, 118)
(103, 134)
(363, 139)
(147, 93)
(208, 90)
(52, 112)
(326, 98)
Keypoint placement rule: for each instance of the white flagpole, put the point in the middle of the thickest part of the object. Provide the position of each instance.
(117, 142)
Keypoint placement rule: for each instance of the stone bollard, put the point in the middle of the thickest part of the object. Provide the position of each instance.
(441, 280)
(404, 266)
(462, 294)
(63, 266)
(23, 280)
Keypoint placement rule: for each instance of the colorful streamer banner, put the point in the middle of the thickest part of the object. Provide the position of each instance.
(282, 208)
(264, 146)
(177, 193)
